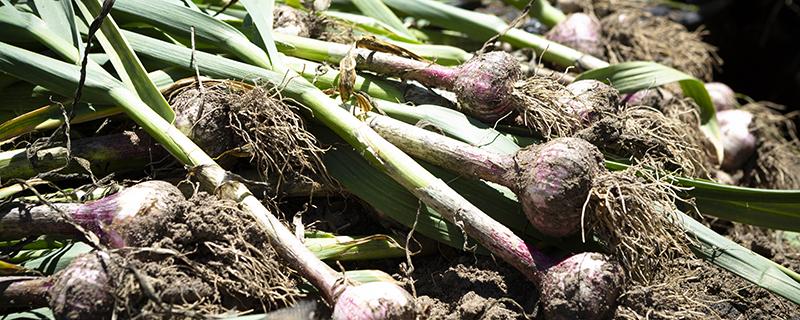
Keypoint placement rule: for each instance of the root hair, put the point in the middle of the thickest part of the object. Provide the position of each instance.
(230, 118)
(633, 217)
(540, 109)
(777, 161)
(213, 259)
(637, 35)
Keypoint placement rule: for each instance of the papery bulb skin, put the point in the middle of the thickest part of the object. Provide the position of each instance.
(83, 290)
(484, 85)
(738, 142)
(583, 286)
(579, 31)
(121, 219)
(721, 95)
(371, 301)
(555, 180)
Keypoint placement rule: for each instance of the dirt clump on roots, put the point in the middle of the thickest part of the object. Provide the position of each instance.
(546, 112)
(697, 147)
(776, 164)
(669, 140)
(650, 137)
(231, 120)
(288, 20)
(695, 289)
(471, 287)
(208, 258)
(692, 154)
(291, 21)
(635, 35)
(633, 218)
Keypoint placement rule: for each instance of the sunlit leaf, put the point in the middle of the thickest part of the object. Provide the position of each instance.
(376, 9)
(125, 61)
(261, 13)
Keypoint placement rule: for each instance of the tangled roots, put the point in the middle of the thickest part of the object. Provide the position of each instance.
(213, 258)
(652, 138)
(288, 20)
(551, 110)
(277, 136)
(630, 33)
(200, 113)
(777, 159)
(634, 217)
(590, 110)
(698, 154)
(541, 111)
(234, 118)
(635, 35)
(675, 291)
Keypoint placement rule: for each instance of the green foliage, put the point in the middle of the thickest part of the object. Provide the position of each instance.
(60, 17)
(376, 9)
(126, 63)
(260, 12)
(747, 264)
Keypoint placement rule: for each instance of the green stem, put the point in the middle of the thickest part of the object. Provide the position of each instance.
(310, 49)
(383, 63)
(447, 153)
(19, 292)
(453, 123)
(107, 154)
(541, 10)
(484, 26)
(553, 52)
(316, 50)
(382, 154)
(375, 86)
(50, 117)
(346, 248)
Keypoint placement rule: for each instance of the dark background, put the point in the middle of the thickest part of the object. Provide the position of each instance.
(759, 42)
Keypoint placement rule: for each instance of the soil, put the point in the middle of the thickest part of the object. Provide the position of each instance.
(217, 254)
(705, 291)
(231, 119)
(457, 285)
(453, 285)
(698, 290)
